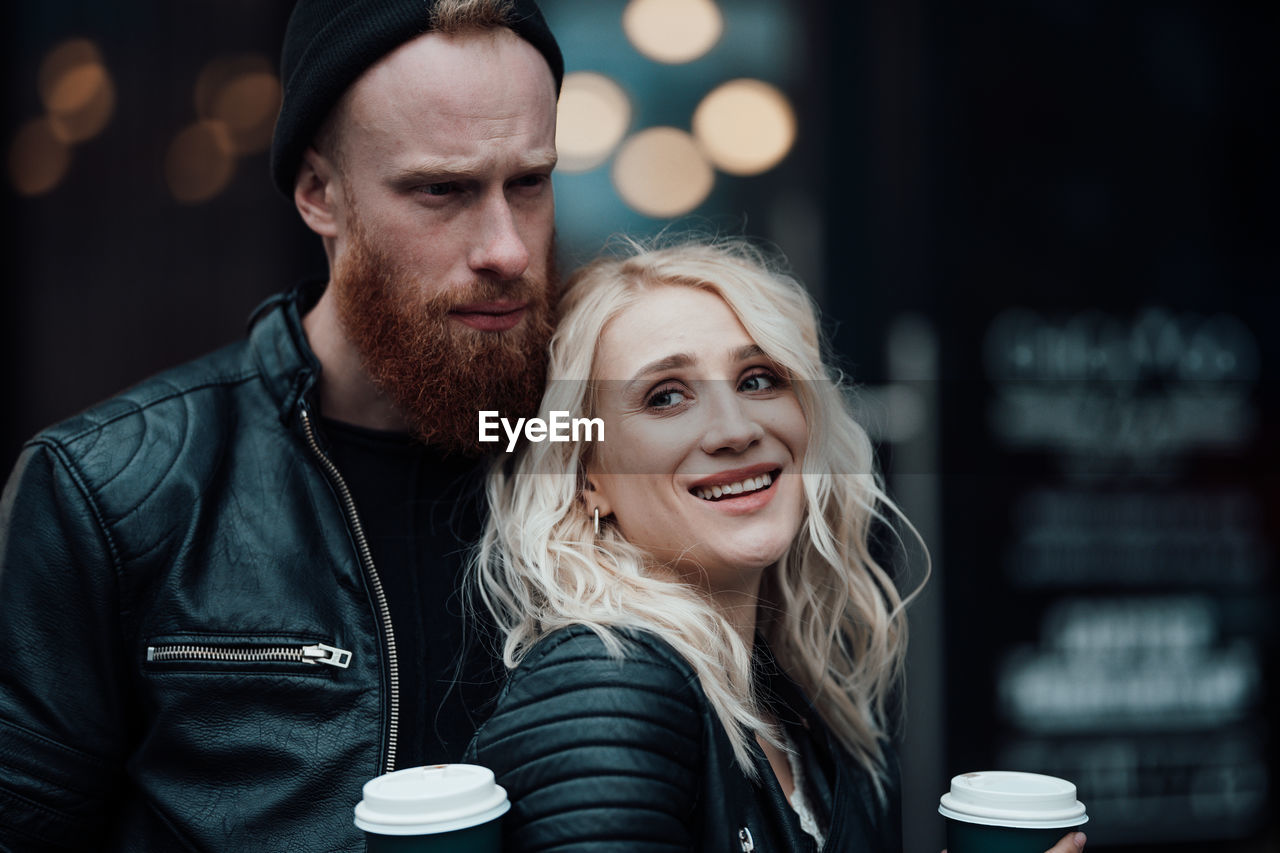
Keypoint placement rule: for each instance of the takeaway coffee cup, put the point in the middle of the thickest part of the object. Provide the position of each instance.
(1000, 811)
(443, 808)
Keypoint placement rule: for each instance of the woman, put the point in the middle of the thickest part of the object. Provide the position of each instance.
(704, 647)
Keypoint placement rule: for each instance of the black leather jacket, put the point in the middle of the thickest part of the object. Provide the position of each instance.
(194, 652)
(608, 755)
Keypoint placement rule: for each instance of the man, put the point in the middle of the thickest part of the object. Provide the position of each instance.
(228, 595)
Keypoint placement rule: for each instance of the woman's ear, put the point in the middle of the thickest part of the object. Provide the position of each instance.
(315, 193)
(594, 498)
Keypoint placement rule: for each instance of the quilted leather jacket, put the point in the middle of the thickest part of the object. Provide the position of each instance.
(196, 654)
(625, 755)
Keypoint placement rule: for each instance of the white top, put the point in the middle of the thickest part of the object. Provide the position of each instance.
(799, 802)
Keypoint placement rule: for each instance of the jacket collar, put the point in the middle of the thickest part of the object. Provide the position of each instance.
(280, 348)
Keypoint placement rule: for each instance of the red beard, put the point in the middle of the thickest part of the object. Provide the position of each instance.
(438, 372)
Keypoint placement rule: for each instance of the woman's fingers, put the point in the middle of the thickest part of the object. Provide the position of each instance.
(1071, 843)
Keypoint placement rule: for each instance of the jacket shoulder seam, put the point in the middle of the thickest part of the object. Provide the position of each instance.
(139, 407)
(661, 653)
(60, 453)
(566, 650)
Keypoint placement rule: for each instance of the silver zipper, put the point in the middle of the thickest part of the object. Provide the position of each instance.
(744, 838)
(311, 654)
(366, 560)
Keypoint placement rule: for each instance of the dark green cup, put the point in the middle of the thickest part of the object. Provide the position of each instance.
(1001, 811)
(444, 808)
(976, 838)
(486, 838)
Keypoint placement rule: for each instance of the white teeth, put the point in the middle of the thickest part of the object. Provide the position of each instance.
(751, 484)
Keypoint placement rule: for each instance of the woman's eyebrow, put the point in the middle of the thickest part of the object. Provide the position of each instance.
(682, 359)
(671, 362)
(662, 365)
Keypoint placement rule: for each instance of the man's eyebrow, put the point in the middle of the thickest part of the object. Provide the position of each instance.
(452, 168)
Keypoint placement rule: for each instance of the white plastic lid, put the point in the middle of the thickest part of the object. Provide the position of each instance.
(428, 800)
(1007, 798)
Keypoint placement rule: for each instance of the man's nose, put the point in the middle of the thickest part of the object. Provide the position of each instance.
(498, 249)
(731, 424)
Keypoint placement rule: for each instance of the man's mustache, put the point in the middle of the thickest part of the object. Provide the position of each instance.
(477, 291)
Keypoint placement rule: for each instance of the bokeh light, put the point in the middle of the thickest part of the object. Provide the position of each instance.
(65, 57)
(745, 126)
(244, 94)
(38, 159)
(592, 118)
(82, 103)
(200, 161)
(661, 173)
(673, 31)
(77, 90)
(248, 106)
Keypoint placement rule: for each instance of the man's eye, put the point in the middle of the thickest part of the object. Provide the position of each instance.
(438, 189)
(530, 181)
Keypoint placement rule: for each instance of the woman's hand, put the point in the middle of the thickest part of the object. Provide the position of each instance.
(1072, 843)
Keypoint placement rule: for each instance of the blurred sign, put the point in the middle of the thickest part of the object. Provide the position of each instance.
(1124, 608)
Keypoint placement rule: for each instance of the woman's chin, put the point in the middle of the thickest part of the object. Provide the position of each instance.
(732, 561)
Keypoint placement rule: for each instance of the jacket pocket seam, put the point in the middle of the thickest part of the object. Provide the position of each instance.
(34, 736)
(30, 804)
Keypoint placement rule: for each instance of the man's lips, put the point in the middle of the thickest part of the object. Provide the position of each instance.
(490, 316)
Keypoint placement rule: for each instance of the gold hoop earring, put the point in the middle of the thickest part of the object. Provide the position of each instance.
(597, 521)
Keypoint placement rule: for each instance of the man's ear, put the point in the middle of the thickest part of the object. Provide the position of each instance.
(316, 192)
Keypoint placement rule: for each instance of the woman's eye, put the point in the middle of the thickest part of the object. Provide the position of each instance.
(761, 381)
(665, 398)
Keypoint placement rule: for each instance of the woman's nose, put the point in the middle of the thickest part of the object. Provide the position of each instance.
(731, 426)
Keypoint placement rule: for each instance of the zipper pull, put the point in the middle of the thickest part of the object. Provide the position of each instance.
(320, 653)
(748, 843)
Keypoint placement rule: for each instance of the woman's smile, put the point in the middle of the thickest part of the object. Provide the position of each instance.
(704, 438)
(739, 491)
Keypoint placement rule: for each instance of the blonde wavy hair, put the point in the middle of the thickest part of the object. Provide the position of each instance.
(831, 614)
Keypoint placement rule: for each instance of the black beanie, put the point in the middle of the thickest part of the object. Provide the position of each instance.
(330, 43)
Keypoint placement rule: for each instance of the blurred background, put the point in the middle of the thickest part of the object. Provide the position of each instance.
(1044, 236)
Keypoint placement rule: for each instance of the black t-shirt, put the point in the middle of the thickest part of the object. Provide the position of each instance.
(421, 511)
